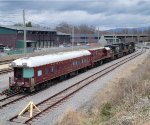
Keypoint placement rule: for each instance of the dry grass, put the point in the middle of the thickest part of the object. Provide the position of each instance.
(70, 118)
(123, 102)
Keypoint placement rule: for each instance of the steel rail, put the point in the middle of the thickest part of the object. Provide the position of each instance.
(6, 71)
(12, 101)
(6, 61)
(10, 96)
(71, 93)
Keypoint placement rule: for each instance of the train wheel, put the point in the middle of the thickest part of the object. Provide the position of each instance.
(27, 90)
(37, 88)
(101, 62)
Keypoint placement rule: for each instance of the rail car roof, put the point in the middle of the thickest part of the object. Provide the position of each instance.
(107, 48)
(97, 48)
(47, 59)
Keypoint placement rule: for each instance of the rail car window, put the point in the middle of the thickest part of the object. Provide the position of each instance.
(18, 72)
(39, 72)
(46, 71)
(52, 69)
(74, 63)
(82, 61)
(28, 72)
(79, 62)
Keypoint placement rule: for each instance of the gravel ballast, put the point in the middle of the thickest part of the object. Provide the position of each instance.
(75, 102)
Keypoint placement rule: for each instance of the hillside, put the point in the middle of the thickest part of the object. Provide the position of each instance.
(125, 101)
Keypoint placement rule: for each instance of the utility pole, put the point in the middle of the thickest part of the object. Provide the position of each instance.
(24, 27)
(98, 35)
(132, 36)
(113, 36)
(72, 37)
(137, 35)
(125, 34)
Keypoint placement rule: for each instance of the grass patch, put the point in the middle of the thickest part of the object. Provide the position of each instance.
(105, 113)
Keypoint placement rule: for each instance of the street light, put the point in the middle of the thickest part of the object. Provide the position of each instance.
(24, 27)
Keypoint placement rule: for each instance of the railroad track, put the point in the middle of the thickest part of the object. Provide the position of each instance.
(6, 70)
(56, 99)
(14, 97)
(8, 92)
(6, 61)
(11, 99)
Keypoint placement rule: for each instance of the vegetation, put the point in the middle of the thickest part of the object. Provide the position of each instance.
(105, 112)
(28, 24)
(89, 29)
(124, 102)
(81, 29)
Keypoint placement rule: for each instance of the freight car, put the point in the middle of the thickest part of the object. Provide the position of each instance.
(34, 73)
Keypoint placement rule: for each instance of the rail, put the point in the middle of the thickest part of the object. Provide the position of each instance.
(6, 70)
(54, 100)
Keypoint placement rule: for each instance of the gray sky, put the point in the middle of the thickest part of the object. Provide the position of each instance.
(100, 13)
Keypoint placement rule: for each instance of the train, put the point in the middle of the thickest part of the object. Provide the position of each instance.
(33, 73)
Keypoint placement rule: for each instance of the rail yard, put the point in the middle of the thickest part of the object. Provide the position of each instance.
(77, 62)
(67, 90)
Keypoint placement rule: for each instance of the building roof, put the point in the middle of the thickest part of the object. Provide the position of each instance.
(86, 35)
(107, 38)
(48, 59)
(28, 28)
(63, 34)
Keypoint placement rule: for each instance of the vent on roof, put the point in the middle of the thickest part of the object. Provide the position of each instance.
(24, 64)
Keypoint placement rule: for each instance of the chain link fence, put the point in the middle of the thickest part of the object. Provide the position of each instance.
(17, 53)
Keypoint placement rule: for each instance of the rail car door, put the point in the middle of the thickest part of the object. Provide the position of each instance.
(28, 75)
(18, 74)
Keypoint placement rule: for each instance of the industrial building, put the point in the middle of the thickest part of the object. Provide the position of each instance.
(13, 36)
(94, 38)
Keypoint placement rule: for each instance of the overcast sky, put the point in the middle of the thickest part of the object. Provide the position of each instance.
(100, 13)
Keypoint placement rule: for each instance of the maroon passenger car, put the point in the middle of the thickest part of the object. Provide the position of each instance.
(30, 73)
(101, 54)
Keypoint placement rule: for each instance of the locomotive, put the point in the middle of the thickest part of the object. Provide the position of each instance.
(33, 73)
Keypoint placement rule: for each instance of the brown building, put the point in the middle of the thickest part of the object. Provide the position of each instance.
(13, 36)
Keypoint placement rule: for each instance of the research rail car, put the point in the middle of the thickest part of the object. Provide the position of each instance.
(34, 73)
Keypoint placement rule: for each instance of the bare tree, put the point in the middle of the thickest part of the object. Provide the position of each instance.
(81, 29)
(64, 27)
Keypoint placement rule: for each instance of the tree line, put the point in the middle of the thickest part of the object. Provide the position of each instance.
(89, 29)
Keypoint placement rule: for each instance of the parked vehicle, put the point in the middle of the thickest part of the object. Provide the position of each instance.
(6, 49)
